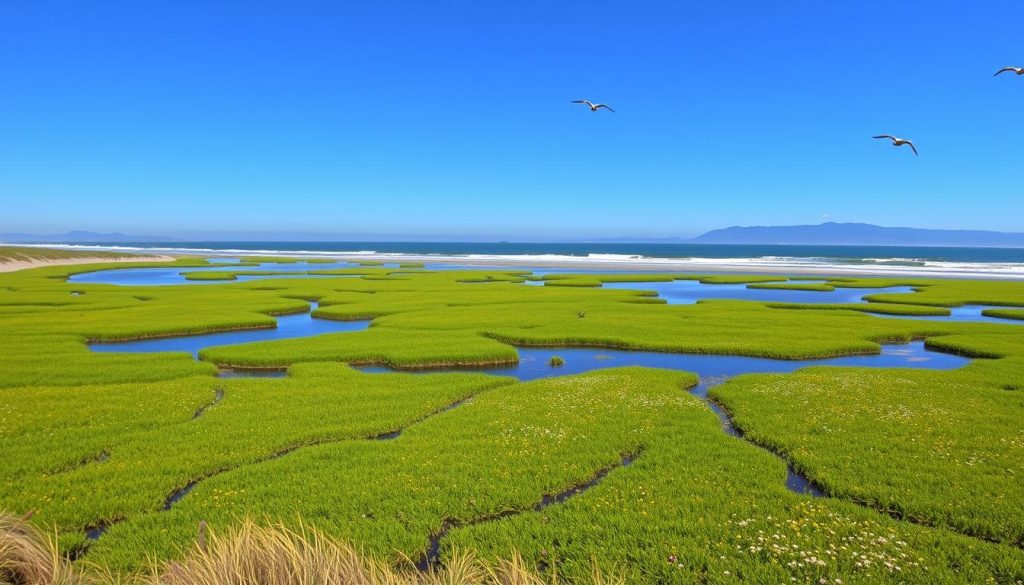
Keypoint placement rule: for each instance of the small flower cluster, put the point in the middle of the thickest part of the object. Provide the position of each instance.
(816, 542)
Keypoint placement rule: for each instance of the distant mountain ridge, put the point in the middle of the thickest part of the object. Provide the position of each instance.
(79, 237)
(825, 234)
(859, 234)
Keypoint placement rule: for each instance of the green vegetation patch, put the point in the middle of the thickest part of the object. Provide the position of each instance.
(943, 448)
(1017, 314)
(880, 308)
(677, 513)
(194, 429)
(88, 437)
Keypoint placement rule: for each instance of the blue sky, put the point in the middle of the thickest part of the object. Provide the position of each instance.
(410, 120)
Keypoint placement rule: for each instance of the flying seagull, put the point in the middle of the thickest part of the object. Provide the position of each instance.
(593, 107)
(1017, 70)
(898, 142)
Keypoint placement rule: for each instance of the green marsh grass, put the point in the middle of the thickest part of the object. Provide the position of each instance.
(955, 439)
(693, 493)
(255, 420)
(88, 436)
(1017, 314)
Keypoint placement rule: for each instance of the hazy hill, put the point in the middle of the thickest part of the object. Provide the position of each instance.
(859, 234)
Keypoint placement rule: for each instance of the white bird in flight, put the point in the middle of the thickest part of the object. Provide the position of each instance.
(1017, 70)
(593, 107)
(898, 142)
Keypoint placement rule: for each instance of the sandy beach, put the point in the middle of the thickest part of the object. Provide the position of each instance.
(13, 266)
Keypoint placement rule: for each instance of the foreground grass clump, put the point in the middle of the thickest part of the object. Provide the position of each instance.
(251, 554)
(29, 557)
(254, 555)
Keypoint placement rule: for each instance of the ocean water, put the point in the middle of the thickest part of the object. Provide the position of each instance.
(997, 262)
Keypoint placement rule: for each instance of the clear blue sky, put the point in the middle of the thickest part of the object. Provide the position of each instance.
(452, 120)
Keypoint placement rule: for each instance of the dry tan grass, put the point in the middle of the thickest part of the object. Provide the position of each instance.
(251, 554)
(29, 557)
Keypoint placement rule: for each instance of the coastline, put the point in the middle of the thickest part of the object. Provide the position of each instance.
(699, 266)
(811, 265)
(16, 265)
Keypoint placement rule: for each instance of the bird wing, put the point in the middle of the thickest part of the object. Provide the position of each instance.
(890, 137)
(1004, 70)
(599, 106)
(583, 102)
(912, 147)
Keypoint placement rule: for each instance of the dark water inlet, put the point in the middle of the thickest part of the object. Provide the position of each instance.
(183, 491)
(795, 481)
(95, 531)
(217, 396)
(432, 555)
(178, 494)
(391, 435)
(95, 458)
(250, 373)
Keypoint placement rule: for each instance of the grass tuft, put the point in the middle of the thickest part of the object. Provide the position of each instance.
(251, 554)
(29, 557)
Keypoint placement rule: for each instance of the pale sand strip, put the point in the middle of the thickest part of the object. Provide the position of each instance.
(15, 265)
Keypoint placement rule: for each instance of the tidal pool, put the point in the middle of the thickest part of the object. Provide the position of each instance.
(683, 292)
(288, 326)
(679, 292)
(534, 363)
(169, 276)
(963, 313)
